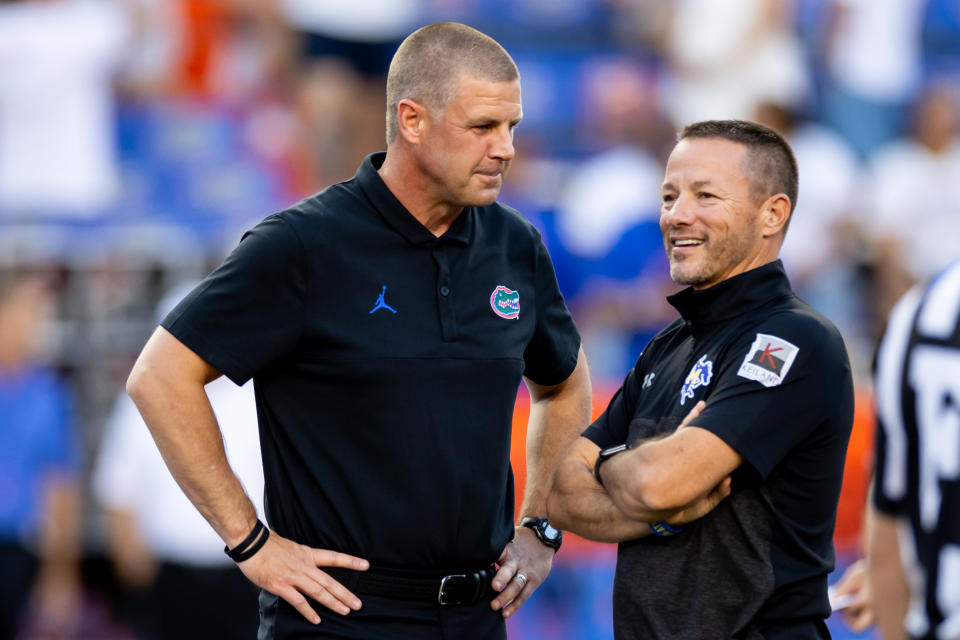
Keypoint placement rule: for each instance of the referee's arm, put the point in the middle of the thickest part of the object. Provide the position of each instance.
(167, 385)
(888, 582)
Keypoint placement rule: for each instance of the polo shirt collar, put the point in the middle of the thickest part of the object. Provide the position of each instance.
(397, 215)
(740, 294)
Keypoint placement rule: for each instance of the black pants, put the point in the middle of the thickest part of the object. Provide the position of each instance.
(17, 569)
(382, 619)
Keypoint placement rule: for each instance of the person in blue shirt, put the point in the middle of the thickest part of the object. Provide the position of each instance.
(39, 464)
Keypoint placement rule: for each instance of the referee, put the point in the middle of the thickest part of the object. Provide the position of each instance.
(914, 535)
(387, 322)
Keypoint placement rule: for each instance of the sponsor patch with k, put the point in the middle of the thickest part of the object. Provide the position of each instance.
(768, 360)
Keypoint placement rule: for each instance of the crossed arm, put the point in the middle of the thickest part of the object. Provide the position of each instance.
(678, 479)
(167, 385)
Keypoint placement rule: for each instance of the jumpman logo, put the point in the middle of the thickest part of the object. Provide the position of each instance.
(381, 304)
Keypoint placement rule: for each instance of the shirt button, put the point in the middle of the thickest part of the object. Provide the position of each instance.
(444, 291)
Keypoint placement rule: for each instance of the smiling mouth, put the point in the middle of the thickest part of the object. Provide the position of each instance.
(686, 242)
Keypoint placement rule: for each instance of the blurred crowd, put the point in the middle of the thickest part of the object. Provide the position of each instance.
(138, 138)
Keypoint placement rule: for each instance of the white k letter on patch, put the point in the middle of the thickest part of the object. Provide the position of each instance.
(768, 360)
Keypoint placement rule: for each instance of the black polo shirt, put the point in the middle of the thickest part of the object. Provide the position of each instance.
(386, 363)
(777, 383)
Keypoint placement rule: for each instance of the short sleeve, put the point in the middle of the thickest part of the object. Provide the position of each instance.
(891, 396)
(551, 355)
(882, 498)
(764, 415)
(612, 427)
(249, 311)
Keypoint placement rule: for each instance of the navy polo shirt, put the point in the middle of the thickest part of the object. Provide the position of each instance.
(386, 363)
(778, 389)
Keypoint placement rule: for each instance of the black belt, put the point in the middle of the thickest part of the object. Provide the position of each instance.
(455, 588)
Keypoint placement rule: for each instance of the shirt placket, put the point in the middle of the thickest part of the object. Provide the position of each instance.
(444, 289)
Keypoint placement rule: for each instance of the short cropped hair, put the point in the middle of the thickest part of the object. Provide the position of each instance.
(769, 163)
(427, 66)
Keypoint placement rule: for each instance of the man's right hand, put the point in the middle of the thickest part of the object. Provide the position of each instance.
(702, 505)
(291, 571)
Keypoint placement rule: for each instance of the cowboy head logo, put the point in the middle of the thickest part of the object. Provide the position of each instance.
(699, 376)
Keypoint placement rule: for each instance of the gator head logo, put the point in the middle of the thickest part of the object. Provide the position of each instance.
(699, 376)
(505, 302)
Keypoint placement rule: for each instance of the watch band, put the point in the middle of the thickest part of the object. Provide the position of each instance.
(546, 533)
(605, 455)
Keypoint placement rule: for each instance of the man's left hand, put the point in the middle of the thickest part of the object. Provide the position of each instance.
(524, 564)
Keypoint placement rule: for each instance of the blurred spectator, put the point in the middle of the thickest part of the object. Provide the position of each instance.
(610, 261)
(39, 467)
(941, 38)
(874, 66)
(58, 59)
(823, 250)
(155, 41)
(346, 47)
(171, 561)
(619, 186)
(724, 61)
(913, 198)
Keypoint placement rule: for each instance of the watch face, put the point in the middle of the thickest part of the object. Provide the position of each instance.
(550, 532)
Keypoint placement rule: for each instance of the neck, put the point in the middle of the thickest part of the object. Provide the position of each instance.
(413, 188)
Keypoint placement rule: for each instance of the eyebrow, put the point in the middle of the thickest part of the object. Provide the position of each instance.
(482, 122)
(698, 184)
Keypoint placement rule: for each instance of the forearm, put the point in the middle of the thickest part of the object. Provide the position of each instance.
(557, 417)
(630, 490)
(186, 432)
(661, 477)
(579, 504)
(60, 537)
(886, 576)
(133, 560)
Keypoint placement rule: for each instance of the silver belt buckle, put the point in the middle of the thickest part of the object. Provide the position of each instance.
(443, 583)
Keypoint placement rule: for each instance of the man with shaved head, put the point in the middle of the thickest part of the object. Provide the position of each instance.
(387, 322)
(724, 511)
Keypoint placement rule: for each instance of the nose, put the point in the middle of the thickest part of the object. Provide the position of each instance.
(679, 213)
(502, 144)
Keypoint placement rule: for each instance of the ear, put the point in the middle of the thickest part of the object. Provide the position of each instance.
(774, 214)
(411, 119)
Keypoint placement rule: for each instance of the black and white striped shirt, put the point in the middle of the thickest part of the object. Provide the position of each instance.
(917, 383)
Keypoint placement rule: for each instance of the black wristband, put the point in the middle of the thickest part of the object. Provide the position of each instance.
(605, 455)
(250, 545)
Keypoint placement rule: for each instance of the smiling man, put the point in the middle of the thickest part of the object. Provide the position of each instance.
(724, 511)
(387, 322)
